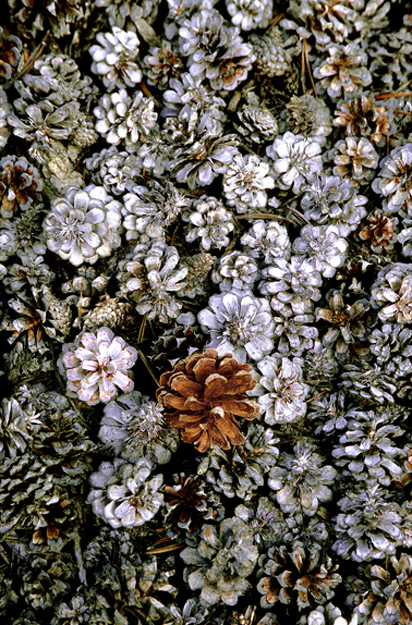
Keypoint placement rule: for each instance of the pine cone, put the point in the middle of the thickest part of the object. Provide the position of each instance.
(110, 313)
(203, 395)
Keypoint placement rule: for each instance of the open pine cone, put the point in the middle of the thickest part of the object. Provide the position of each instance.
(204, 394)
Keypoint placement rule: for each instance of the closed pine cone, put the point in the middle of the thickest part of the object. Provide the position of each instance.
(204, 394)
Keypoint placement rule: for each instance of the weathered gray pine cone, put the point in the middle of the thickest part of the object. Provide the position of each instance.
(237, 271)
(308, 116)
(344, 70)
(238, 323)
(109, 313)
(326, 615)
(203, 161)
(197, 279)
(126, 13)
(368, 384)
(257, 123)
(55, 79)
(46, 578)
(273, 53)
(391, 345)
(46, 123)
(223, 560)
(240, 472)
(295, 336)
(134, 427)
(368, 528)
(115, 59)
(117, 171)
(328, 23)
(392, 293)
(387, 594)
(123, 118)
(162, 64)
(367, 450)
(331, 200)
(394, 180)
(296, 160)
(245, 182)
(280, 390)
(390, 55)
(294, 286)
(250, 14)
(355, 158)
(151, 280)
(348, 322)
(210, 222)
(126, 495)
(302, 480)
(84, 225)
(16, 422)
(323, 246)
(363, 117)
(215, 51)
(267, 239)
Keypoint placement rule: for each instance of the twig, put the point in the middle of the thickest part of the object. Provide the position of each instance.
(264, 216)
(276, 20)
(402, 112)
(302, 69)
(142, 329)
(145, 89)
(315, 397)
(33, 58)
(305, 49)
(384, 96)
(79, 556)
(148, 367)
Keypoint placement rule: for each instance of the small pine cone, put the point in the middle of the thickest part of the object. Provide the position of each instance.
(162, 64)
(19, 184)
(10, 54)
(185, 503)
(272, 57)
(296, 575)
(257, 122)
(174, 344)
(59, 311)
(110, 313)
(199, 267)
(204, 394)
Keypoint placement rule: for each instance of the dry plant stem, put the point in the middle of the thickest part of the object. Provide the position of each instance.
(148, 367)
(276, 20)
(306, 58)
(142, 329)
(145, 89)
(79, 556)
(31, 60)
(263, 216)
(384, 96)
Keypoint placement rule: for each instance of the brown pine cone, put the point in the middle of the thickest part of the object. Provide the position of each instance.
(203, 395)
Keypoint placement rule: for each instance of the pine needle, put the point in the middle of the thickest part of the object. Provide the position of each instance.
(148, 367)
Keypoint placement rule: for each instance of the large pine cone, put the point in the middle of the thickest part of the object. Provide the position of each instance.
(203, 395)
